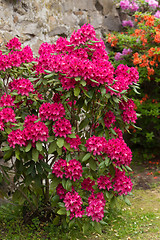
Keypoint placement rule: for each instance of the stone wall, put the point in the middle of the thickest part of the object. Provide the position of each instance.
(37, 21)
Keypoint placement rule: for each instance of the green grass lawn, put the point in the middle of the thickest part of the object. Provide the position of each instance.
(141, 220)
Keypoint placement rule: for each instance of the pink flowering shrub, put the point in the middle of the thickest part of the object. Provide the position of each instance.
(62, 119)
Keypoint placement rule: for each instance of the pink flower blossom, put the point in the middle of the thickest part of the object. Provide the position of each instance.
(62, 127)
(22, 86)
(61, 192)
(96, 145)
(51, 111)
(88, 184)
(59, 168)
(118, 151)
(16, 137)
(109, 119)
(157, 14)
(29, 120)
(128, 23)
(73, 170)
(6, 100)
(14, 43)
(73, 203)
(84, 34)
(104, 182)
(129, 114)
(74, 142)
(36, 131)
(122, 184)
(7, 115)
(96, 207)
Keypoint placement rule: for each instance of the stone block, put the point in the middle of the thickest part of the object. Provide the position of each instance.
(96, 19)
(76, 5)
(111, 23)
(107, 6)
(60, 31)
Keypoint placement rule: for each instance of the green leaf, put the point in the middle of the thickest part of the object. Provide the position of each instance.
(127, 200)
(49, 75)
(52, 147)
(86, 227)
(103, 222)
(76, 91)
(59, 151)
(102, 164)
(107, 161)
(86, 157)
(115, 99)
(92, 164)
(50, 139)
(77, 78)
(67, 146)
(28, 147)
(112, 131)
(83, 83)
(54, 183)
(8, 154)
(39, 168)
(73, 135)
(114, 90)
(72, 223)
(47, 71)
(85, 92)
(97, 227)
(60, 142)
(84, 123)
(92, 80)
(103, 91)
(45, 166)
(128, 168)
(68, 185)
(35, 154)
(17, 153)
(62, 211)
(39, 146)
(56, 221)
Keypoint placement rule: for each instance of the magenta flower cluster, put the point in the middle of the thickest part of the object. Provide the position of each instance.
(109, 119)
(96, 206)
(15, 57)
(127, 23)
(14, 43)
(73, 203)
(129, 5)
(122, 184)
(129, 114)
(119, 56)
(96, 145)
(51, 111)
(62, 128)
(7, 115)
(6, 101)
(104, 182)
(33, 131)
(22, 86)
(118, 151)
(74, 142)
(61, 192)
(88, 184)
(71, 169)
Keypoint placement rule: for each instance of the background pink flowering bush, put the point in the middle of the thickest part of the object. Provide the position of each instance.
(62, 118)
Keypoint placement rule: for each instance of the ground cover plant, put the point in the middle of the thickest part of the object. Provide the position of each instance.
(139, 46)
(62, 118)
